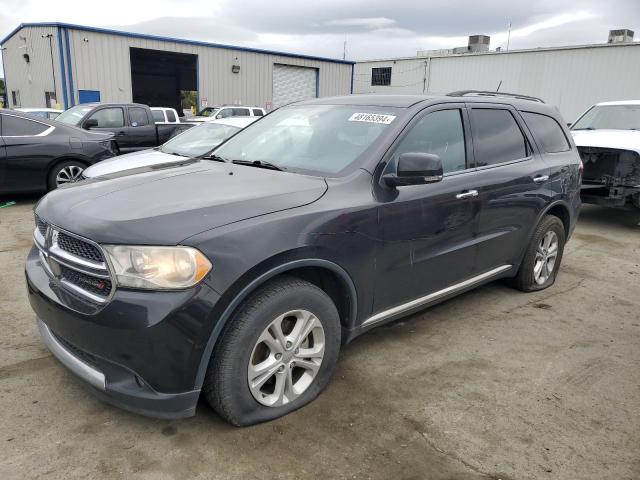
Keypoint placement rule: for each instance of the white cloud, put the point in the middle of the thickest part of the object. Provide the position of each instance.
(373, 23)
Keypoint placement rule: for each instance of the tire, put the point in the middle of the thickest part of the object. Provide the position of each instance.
(241, 348)
(69, 169)
(527, 280)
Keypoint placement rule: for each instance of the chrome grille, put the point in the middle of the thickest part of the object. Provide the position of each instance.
(74, 263)
(78, 247)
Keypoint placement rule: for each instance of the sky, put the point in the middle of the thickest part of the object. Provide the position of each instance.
(370, 28)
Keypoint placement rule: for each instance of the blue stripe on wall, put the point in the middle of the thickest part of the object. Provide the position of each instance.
(64, 76)
(72, 95)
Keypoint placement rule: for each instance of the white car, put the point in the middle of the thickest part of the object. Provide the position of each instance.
(50, 113)
(608, 139)
(226, 111)
(164, 115)
(195, 142)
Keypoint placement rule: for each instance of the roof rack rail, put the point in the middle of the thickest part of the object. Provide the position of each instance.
(486, 93)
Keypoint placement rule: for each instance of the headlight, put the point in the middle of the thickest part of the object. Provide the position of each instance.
(157, 267)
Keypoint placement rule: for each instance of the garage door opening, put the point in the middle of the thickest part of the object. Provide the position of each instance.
(292, 84)
(164, 79)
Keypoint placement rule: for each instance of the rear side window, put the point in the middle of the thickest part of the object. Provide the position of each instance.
(241, 112)
(547, 131)
(158, 116)
(20, 127)
(496, 137)
(257, 112)
(171, 117)
(138, 117)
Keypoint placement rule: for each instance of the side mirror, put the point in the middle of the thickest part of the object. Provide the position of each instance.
(415, 168)
(569, 124)
(91, 123)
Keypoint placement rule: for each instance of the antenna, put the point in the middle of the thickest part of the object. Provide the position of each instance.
(499, 85)
(344, 49)
(509, 35)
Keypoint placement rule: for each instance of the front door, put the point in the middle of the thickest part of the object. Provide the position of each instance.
(510, 179)
(428, 230)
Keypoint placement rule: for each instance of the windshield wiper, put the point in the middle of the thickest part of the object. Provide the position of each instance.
(259, 164)
(214, 157)
(584, 128)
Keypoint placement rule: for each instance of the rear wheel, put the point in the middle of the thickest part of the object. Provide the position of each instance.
(542, 259)
(65, 172)
(276, 355)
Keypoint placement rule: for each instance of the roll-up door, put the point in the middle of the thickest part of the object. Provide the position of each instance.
(292, 84)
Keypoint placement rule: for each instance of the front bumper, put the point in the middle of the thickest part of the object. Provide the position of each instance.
(140, 352)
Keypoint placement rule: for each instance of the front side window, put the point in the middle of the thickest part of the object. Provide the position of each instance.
(381, 76)
(198, 140)
(315, 139)
(138, 117)
(158, 116)
(21, 127)
(440, 133)
(225, 113)
(547, 131)
(74, 115)
(208, 112)
(109, 117)
(497, 138)
(615, 117)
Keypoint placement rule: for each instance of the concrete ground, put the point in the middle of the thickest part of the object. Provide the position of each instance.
(493, 384)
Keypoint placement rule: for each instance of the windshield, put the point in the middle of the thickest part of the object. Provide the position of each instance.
(199, 140)
(208, 112)
(74, 114)
(617, 117)
(316, 139)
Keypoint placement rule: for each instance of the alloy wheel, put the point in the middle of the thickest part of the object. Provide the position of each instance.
(286, 358)
(68, 174)
(546, 255)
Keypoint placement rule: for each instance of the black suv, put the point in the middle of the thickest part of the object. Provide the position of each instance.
(240, 274)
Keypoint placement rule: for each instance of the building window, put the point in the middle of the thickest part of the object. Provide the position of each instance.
(15, 98)
(381, 76)
(50, 99)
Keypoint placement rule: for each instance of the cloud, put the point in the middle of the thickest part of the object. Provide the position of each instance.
(373, 23)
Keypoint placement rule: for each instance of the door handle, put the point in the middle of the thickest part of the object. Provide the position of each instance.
(467, 194)
(541, 178)
(120, 134)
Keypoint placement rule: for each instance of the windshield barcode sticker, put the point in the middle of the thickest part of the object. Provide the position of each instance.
(372, 118)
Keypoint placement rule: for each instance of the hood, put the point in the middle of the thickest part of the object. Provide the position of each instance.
(169, 205)
(620, 139)
(139, 159)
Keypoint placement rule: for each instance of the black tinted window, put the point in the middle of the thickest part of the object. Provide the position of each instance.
(171, 117)
(257, 112)
(138, 117)
(109, 117)
(16, 127)
(497, 137)
(547, 131)
(241, 112)
(440, 133)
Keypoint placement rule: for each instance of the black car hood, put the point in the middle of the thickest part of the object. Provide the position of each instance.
(169, 205)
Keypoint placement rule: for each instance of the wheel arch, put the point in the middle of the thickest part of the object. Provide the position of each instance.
(318, 271)
(561, 210)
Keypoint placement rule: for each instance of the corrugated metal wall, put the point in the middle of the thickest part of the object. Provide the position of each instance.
(34, 78)
(572, 78)
(100, 61)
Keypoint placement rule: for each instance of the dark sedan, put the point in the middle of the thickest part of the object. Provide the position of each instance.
(40, 154)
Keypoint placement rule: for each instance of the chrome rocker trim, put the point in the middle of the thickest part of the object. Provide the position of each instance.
(432, 297)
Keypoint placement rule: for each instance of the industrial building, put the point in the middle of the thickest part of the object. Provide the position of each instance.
(63, 64)
(572, 78)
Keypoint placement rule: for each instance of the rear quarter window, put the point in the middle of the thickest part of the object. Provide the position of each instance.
(547, 131)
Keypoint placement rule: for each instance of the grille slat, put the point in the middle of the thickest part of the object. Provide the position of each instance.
(94, 285)
(79, 248)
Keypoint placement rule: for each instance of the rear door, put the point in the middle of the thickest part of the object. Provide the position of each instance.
(510, 180)
(26, 153)
(141, 131)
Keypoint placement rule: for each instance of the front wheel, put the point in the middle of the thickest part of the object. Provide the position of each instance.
(276, 354)
(542, 259)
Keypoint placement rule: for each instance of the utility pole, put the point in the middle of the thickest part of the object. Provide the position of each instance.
(344, 49)
(53, 70)
(509, 36)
